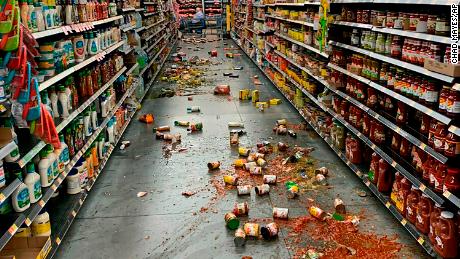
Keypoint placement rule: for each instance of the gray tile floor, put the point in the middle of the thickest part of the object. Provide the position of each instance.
(114, 223)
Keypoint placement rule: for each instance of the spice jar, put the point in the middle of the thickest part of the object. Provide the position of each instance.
(439, 137)
(431, 24)
(452, 180)
(442, 26)
(452, 145)
(422, 23)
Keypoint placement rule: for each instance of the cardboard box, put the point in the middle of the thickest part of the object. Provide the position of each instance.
(442, 68)
(27, 248)
(6, 136)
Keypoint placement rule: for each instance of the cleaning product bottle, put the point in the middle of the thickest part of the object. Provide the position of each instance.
(100, 146)
(41, 226)
(110, 131)
(69, 12)
(63, 102)
(65, 157)
(73, 182)
(68, 93)
(93, 45)
(45, 169)
(53, 160)
(32, 181)
(104, 105)
(46, 100)
(32, 17)
(2, 175)
(60, 164)
(79, 48)
(87, 123)
(54, 102)
(14, 155)
(94, 124)
(89, 164)
(82, 171)
(49, 18)
(94, 155)
(39, 17)
(21, 198)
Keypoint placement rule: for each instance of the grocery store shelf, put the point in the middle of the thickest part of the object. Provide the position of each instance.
(425, 2)
(455, 130)
(413, 104)
(9, 189)
(270, 45)
(353, 24)
(303, 45)
(154, 44)
(154, 34)
(259, 19)
(130, 71)
(74, 27)
(127, 28)
(258, 5)
(149, 3)
(139, 29)
(128, 9)
(350, 1)
(127, 51)
(153, 24)
(290, 20)
(396, 62)
(152, 60)
(35, 150)
(79, 66)
(139, 9)
(250, 29)
(4, 151)
(296, 4)
(411, 34)
(149, 13)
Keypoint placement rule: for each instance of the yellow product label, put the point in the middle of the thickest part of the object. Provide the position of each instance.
(323, 72)
(255, 96)
(40, 229)
(399, 204)
(263, 104)
(275, 101)
(394, 196)
(23, 232)
(239, 162)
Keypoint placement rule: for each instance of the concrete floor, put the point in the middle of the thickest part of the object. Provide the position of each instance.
(114, 223)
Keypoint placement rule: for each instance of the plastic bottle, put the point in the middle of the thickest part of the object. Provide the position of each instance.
(73, 182)
(89, 164)
(41, 226)
(93, 44)
(65, 156)
(39, 17)
(446, 236)
(63, 102)
(14, 155)
(32, 181)
(49, 18)
(53, 159)
(412, 203)
(45, 169)
(104, 105)
(82, 171)
(94, 155)
(434, 217)
(68, 12)
(100, 146)
(21, 198)
(94, 124)
(424, 209)
(69, 95)
(32, 17)
(54, 102)
(79, 48)
(60, 164)
(2, 175)
(87, 123)
(110, 131)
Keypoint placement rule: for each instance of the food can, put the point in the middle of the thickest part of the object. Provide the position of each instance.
(248, 166)
(322, 170)
(282, 146)
(262, 189)
(230, 179)
(261, 162)
(162, 128)
(270, 179)
(182, 123)
(255, 170)
(320, 179)
(317, 212)
(240, 237)
(244, 94)
(213, 165)
(281, 122)
(339, 206)
(251, 229)
(243, 151)
(244, 189)
(241, 209)
(255, 96)
(269, 231)
(281, 130)
(234, 139)
(231, 221)
(177, 137)
(238, 163)
(280, 213)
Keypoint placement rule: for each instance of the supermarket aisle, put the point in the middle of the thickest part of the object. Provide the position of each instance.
(115, 223)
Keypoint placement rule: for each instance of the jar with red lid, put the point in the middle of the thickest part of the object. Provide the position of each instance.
(396, 47)
(453, 104)
(422, 23)
(431, 95)
(425, 125)
(406, 22)
(440, 137)
(452, 146)
(390, 20)
(401, 200)
(355, 151)
(405, 148)
(452, 180)
(412, 204)
(443, 96)
(380, 20)
(401, 113)
(413, 21)
(385, 177)
(379, 133)
(434, 217)
(431, 24)
(424, 209)
(439, 177)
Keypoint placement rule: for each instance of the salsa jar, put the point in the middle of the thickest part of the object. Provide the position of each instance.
(439, 175)
(452, 180)
(413, 21)
(442, 26)
(439, 137)
(379, 133)
(366, 15)
(371, 98)
(405, 148)
(395, 142)
(390, 20)
(453, 104)
(401, 113)
(452, 145)
(425, 125)
(366, 124)
(422, 23)
(443, 95)
(380, 20)
(430, 95)
(398, 22)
